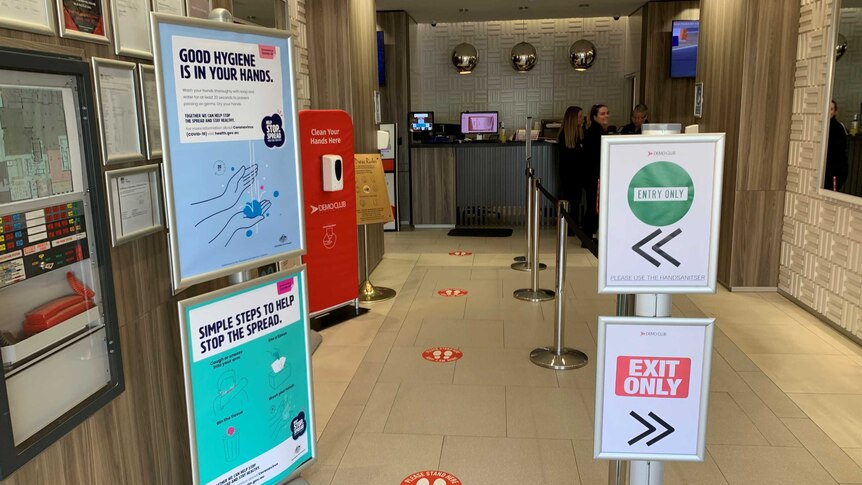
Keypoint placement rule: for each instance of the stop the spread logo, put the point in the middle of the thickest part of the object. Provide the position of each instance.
(273, 132)
(664, 377)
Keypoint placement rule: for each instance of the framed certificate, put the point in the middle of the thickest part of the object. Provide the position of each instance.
(173, 7)
(150, 111)
(198, 8)
(134, 203)
(132, 28)
(83, 20)
(28, 15)
(118, 111)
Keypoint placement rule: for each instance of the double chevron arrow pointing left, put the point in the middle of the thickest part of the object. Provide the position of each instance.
(657, 247)
(668, 429)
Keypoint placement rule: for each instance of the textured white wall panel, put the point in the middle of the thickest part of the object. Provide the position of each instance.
(821, 248)
(543, 93)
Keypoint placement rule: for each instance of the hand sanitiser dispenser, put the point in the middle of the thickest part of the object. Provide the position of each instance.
(333, 173)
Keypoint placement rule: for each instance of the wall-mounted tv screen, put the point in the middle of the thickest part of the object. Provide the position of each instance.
(381, 60)
(683, 48)
(421, 121)
(479, 122)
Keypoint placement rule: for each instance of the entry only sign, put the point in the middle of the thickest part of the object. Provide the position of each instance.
(652, 388)
(659, 213)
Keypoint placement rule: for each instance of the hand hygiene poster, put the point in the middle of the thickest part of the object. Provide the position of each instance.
(233, 157)
(246, 358)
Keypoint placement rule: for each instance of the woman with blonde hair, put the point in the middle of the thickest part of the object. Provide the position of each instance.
(571, 149)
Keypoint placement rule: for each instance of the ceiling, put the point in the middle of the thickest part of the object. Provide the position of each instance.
(425, 11)
(262, 12)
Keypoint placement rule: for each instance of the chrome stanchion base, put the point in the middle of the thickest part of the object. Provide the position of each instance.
(527, 294)
(520, 258)
(370, 293)
(523, 266)
(548, 358)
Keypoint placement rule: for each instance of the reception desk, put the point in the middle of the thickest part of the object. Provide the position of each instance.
(476, 184)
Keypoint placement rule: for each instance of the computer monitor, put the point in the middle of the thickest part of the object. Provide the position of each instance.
(421, 121)
(485, 122)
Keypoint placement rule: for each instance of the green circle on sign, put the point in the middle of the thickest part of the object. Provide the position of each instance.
(661, 193)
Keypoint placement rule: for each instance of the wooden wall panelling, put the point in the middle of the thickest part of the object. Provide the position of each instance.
(395, 94)
(329, 55)
(767, 95)
(343, 74)
(722, 32)
(670, 100)
(433, 185)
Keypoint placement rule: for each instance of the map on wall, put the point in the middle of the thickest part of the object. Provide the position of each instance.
(34, 144)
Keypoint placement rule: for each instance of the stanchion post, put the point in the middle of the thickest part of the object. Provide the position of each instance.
(534, 293)
(618, 469)
(559, 357)
(367, 291)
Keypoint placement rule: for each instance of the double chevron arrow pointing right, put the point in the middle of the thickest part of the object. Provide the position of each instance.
(657, 248)
(668, 429)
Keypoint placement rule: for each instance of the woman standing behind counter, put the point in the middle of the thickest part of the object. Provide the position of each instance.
(599, 120)
(571, 149)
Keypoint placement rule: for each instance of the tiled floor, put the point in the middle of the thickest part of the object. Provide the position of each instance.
(785, 402)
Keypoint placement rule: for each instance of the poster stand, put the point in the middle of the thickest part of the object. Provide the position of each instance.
(367, 291)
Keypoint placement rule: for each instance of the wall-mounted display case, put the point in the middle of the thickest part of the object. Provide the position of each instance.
(58, 328)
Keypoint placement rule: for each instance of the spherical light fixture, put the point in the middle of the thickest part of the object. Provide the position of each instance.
(464, 58)
(524, 57)
(840, 46)
(582, 54)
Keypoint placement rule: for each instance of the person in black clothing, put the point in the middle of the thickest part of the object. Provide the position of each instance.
(639, 117)
(570, 146)
(837, 166)
(599, 121)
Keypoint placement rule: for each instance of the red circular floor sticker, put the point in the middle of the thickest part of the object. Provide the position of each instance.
(452, 292)
(442, 354)
(460, 253)
(431, 477)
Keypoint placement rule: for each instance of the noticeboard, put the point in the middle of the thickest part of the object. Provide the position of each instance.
(248, 380)
(660, 207)
(652, 388)
(233, 192)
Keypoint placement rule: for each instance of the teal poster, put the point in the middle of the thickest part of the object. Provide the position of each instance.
(247, 369)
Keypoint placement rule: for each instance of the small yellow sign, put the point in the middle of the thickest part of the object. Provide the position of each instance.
(372, 198)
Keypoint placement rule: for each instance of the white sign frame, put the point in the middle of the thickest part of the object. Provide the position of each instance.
(74, 34)
(122, 25)
(115, 210)
(662, 142)
(301, 273)
(146, 107)
(180, 281)
(653, 323)
(111, 158)
(177, 3)
(45, 28)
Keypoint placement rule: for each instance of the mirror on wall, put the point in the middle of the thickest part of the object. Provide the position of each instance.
(842, 167)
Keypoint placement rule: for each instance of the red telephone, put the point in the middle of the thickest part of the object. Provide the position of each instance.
(61, 309)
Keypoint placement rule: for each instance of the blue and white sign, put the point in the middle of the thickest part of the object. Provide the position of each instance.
(248, 381)
(231, 159)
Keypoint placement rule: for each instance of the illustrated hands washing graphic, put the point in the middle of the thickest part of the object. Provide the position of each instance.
(234, 210)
